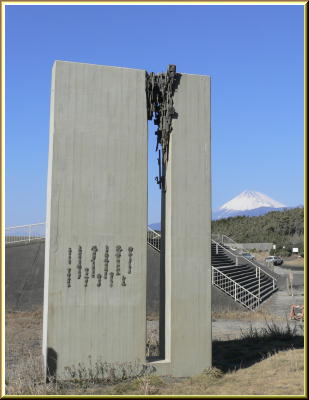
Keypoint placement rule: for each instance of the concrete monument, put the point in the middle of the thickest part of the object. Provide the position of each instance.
(95, 257)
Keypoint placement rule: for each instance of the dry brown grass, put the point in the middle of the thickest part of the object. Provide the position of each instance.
(242, 366)
(260, 315)
(293, 261)
(27, 377)
(23, 332)
(280, 374)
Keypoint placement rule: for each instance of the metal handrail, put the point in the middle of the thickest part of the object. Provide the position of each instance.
(154, 240)
(235, 284)
(232, 240)
(242, 287)
(246, 259)
(152, 231)
(27, 235)
(24, 226)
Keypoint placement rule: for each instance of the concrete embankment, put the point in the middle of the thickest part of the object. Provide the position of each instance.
(24, 275)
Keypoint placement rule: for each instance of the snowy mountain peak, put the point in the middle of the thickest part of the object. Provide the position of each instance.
(250, 200)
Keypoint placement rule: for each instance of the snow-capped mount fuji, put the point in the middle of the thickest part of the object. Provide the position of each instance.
(250, 203)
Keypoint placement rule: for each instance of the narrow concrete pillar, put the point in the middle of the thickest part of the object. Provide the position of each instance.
(188, 339)
(97, 199)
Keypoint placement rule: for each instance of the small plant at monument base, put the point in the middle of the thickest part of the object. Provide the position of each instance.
(105, 372)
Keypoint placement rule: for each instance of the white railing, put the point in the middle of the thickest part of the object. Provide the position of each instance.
(154, 239)
(227, 238)
(258, 269)
(25, 233)
(234, 289)
(229, 242)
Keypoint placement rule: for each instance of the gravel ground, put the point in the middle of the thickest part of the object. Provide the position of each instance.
(278, 305)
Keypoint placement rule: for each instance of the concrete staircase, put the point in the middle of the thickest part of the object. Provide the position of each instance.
(246, 281)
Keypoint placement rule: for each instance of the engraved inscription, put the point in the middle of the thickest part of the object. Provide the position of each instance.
(94, 250)
(86, 276)
(106, 256)
(69, 277)
(130, 251)
(69, 255)
(123, 281)
(111, 279)
(99, 276)
(118, 255)
(79, 263)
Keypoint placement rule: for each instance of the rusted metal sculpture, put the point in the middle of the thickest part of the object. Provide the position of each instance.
(160, 90)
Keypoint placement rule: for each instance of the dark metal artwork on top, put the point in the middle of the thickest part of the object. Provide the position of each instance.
(160, 90)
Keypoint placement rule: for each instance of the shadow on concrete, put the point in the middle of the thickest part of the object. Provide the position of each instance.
(231, 355)
(51, 364)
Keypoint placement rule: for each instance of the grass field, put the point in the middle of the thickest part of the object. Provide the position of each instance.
(266, 361)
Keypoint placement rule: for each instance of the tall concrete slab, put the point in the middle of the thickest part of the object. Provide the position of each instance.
(188, 233)
(97, 197)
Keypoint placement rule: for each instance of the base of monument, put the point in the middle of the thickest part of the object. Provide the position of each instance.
(167, 368)
(162, 367)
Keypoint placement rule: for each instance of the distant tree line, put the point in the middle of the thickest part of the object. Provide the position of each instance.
(283, 228)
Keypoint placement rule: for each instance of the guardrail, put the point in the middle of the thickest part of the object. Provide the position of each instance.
(25, 233)
(230, 240)
(258, 269)
(238, 292)
(154, 239)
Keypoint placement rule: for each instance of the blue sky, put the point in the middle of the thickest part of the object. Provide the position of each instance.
(254, 55)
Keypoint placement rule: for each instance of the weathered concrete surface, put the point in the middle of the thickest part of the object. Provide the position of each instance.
(97, 195)
(24, 275)
(188, 233)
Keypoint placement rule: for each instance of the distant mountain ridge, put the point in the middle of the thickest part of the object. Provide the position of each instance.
(155, 226)
(249, 200)
(247, 213)
(248, 203)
